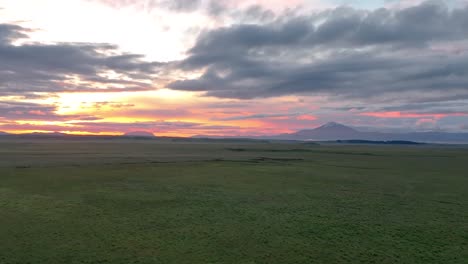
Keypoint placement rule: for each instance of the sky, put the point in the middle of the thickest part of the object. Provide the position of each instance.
(232, 68)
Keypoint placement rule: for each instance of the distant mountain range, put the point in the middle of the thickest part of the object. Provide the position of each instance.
(336, 131)
(36, 135)
(61, 135)
(139, 134)
(328, 132)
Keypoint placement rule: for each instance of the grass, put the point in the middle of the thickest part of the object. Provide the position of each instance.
(187, 202)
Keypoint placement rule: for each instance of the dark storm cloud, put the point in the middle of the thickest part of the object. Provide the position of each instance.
(35, 67)
(341, 52)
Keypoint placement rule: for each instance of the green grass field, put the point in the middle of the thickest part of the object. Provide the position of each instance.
(158, 201)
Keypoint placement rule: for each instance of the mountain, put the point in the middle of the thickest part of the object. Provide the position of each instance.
(47, 134)
(43, 135)
(334, 127)
(4, 133)
(336, 131)
(139, 134)
(328, 131)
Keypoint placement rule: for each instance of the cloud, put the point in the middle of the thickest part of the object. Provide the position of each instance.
(31, 68)
(397, 114)
(103, 104)
(12, 110)
(182, 5)
(116, 127)
(172, 5)
(229, 11)
(401, 64)
(343, 52)
(9, 33)
(305, 116)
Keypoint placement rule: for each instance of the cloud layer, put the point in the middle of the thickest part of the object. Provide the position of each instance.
(342, 52)
(27, 68)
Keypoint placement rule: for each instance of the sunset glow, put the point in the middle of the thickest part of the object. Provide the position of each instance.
(228, 68)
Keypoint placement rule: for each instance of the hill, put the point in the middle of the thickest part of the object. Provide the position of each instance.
(388, 142)
(139, 134)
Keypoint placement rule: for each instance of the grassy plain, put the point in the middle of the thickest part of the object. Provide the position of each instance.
(164, 201)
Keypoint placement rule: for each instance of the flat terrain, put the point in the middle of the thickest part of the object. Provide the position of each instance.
(175, 201)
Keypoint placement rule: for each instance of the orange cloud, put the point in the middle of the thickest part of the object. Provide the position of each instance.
(307, 117)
